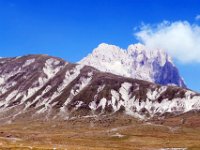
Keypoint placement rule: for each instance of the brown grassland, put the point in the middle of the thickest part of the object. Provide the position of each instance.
(104, 133)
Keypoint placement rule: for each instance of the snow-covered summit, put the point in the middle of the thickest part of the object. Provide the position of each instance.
(138, 62)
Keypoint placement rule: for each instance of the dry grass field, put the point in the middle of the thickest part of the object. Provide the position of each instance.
(105, 133)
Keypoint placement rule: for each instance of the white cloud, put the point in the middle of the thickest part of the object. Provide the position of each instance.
(180, 39)
(197, 17)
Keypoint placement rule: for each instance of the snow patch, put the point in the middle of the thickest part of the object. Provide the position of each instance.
(51, 67)
(28, 62)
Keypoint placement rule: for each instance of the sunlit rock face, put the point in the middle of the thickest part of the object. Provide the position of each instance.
(136, 62)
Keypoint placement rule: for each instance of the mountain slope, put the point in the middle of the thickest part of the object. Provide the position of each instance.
(44, 87)
(137, 62)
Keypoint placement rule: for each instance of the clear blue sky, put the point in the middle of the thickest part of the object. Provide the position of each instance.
(72, 28)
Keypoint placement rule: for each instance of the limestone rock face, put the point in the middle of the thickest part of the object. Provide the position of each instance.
(137, 62)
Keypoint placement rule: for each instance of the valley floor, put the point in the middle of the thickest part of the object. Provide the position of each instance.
(106, 133)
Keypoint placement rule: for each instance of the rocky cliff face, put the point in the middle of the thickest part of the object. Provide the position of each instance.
(137, 62)
(44, 87)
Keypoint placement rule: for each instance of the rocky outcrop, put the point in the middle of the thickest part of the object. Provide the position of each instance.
(137, 62)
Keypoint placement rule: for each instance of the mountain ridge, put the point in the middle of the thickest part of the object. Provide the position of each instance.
(45, 87)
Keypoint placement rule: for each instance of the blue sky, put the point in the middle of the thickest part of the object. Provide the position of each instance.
(72, 28)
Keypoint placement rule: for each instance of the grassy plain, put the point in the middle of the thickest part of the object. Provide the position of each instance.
(105, 133)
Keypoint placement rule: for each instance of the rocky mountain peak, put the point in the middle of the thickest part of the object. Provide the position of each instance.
(138, 62)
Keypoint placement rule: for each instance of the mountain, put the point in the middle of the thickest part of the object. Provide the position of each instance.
(44, 87)
(137, 62)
